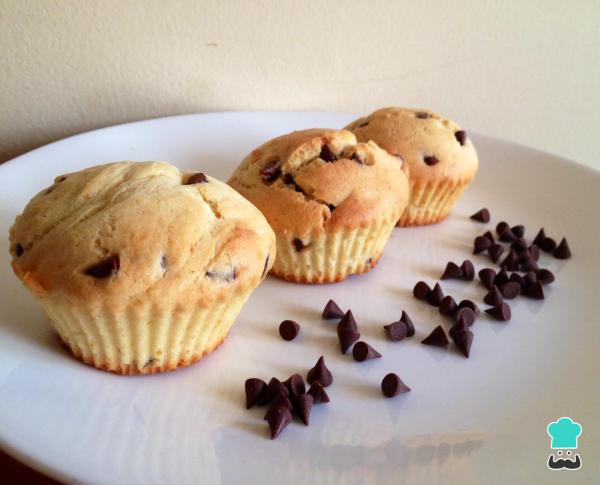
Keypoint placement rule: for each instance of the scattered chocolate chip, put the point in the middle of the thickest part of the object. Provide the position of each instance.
(519, 245)
(562, 251)
(501, 227)
(318, 393)
(396, 331)
(486, 276)
(506, 235)
(430, 160)
(457, 328)
(298, 244)
(320, 373)
(295, 385)
(410, 328)
(548, 245)
(545, 276)
(465, 315)
(461, 137)
(501, 278)
(480, 244)
(500, 312)
(363, 351)
(106, 268)
(494, 297)
(510, 261)
(436, 296)
(423, 115)
(254, 387)
(280, 400)
(529, 265)
(197, 178)
(468, 270)
(463, 338)
(482, 215)
(541, 235)
(517, 278)
(327, 154)
(510, 290)
(274, 387)
(332, 310)
(452, 271)
(278, 418)
(348, 322)
(518, 231)
(437, 338)
(357, 158)
(469, 304)
(448, 306)
(271, 171)
(347, 337)
(421, 290)
(289, 330)
(529, 279)
(490, 236)
(534, 252)
(495, 251)
(304, 404)
(535, 291)
(392, 385)
(19, 250)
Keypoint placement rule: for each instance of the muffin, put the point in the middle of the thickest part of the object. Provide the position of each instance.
(441, 159)
(331, 201)
(141, 268)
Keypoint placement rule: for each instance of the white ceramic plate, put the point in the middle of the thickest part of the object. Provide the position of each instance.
(466, 421)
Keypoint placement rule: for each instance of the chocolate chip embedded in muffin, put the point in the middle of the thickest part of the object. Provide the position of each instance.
(271, 171)
(327, 154)
(19, 250)
(298, 244)
(430, 160)
(106, 268)
(461, 137)
(197, 178)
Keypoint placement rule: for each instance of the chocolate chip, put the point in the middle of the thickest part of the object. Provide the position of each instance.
(332, 310)
(19, 250)
(327, 154)
(548, 245)
(347, 322)
(357, 158)
(228, 275)
(289, 330)
(501, 227)
(298, 244)
(463, 338)
(448, 306)
(534, 252)
(197, 178)
(363, 351)
(529, 265)
(562, 251)
(520, 280)
(480, 244)
(530, 278)
(423, 115)
(510, 262)
(421, 290)
(392, 385)
(457, 328)
(495, 251)
(295, 385)
(436, 295)
(318, 393)
(501, 278)
(437, 338)
(468, 270)
(482, 215)
(500, 312)
(506, 235)
(320, 373)
(465, 315)
(274, 387)
(288, 179)
(494, 297)
(490, 236)
(545, 276)
(452, 271)
(331, 207)
(510, 290)
(280, 400)
(164, 262)
(304, 404)
(410, 328)
(541, 235)
(461, 137)
(254, 387)
(265, 268)
(535, 291)
(396, 331)
(271, 171)
(486, 276)
(362, 125)
(347, 337)
(519, 245)
(469, 304)
(430, 160)
(59, 179)
(518, 231)
(106, 268)
(278, 418)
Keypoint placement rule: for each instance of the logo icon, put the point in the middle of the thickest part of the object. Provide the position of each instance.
(564, 433)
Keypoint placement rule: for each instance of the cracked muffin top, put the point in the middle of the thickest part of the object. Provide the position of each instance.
(317, 180)
(123, 231)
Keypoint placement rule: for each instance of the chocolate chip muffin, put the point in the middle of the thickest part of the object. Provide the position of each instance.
(440, 157)
(331, 201)
(141, 268)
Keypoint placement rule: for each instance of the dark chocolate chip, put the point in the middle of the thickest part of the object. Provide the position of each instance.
(396, 331)
(519, 245)
(288, 178)
(528, 265)
(501, 278)
(392, 385)
(327, 154)
(197, 178)
(480, 244)
(289, 330)
(303, 406)
(423, 115)
(106, 268)
(482, 215)
(19, 250)
(362, 125)
(448, 306)
(518, 231)
(254, 387)
(271, 171)
(280, 400)
(278, 418)
(541, 235)
(501, 227)
(452, 271)
(517, 278)
(430, 160)
(468, 270)
(495, 251)
(410, 328)
(506, 235)
(318, 393)
(274, 387)
(534, 252)
(461, 137)
(545, 276)
(562, 251)
(331, 207)
(494, 297)
(357, 158)
(295, 385)
(535, 291)
(510, 290)
(510, 261)
(436, 296)
(421, 290)
(530, 278)
(500, 312)
(363, 351)
(332, 310)
(465, 315)
(469, 304)
(437, 338)
(457, 328)
(347, 337)
(490, 236)
(347, 322)
(463, 338)
(548, 245)
(486, 276)
(298, 244)
(320, 373)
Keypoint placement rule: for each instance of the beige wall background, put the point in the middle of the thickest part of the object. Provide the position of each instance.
(526, 71)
